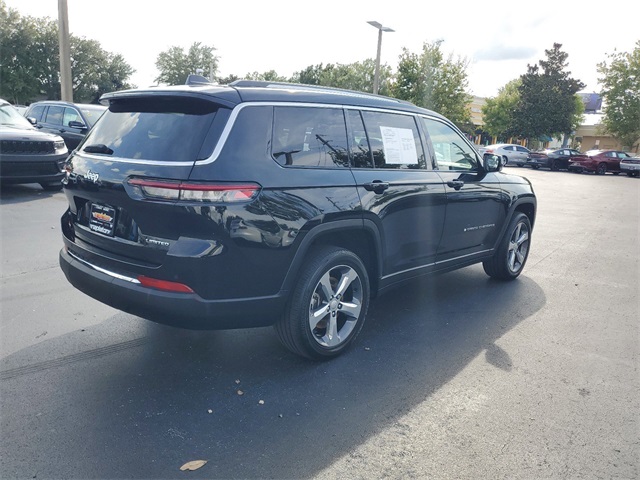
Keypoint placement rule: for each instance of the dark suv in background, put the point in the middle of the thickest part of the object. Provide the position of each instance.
(72, 121)
(261, 204)
(28, 155)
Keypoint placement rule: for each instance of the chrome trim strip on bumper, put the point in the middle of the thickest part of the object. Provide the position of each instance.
(102, 270)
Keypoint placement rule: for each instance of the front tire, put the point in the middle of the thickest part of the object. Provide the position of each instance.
(601, 169)
(328, 305)
(511, 255)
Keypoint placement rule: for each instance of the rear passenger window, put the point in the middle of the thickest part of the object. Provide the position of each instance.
(393, 140)
(310, 137)
(54, 115)
(451, 150)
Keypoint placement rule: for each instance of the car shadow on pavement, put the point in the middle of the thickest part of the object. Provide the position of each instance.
(10, 194)
(142, 407)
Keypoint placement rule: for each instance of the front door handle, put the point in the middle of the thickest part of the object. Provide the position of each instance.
(377, 186)
(455, 184)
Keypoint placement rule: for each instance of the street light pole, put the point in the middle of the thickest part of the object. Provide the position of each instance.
(376, 78)
(66, 90)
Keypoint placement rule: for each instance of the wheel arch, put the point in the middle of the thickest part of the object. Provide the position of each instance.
(360, 237)
(528, 208)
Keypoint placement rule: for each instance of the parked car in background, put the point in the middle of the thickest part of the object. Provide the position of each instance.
(631, 166)
(28, 155)
(21, 109)
(511, 154)
(72, 121)
(599, 162)
(555, 159)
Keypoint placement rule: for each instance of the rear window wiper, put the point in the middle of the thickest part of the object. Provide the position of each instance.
(98, 148)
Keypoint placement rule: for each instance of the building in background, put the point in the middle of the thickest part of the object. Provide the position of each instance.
(590, 135)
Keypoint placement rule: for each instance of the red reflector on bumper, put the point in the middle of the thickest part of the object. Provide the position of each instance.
(164, 285)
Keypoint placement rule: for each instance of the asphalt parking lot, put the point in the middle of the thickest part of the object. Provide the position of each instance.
(457, 376)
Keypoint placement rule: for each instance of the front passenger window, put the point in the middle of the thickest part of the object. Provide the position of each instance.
(71, 115)
(451, 150)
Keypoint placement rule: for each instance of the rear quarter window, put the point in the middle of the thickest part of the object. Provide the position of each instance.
(154, 128)
(37, 112)
(309, 137)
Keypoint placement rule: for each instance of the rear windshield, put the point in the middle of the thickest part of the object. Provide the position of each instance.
(154, 128)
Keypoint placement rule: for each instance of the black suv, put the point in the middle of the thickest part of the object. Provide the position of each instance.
(27, 155)
(255, 204)
(72, 121)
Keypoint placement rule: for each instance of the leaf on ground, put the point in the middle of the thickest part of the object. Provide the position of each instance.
(193, 465)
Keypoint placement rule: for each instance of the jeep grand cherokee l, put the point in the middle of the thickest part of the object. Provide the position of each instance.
(255, 204)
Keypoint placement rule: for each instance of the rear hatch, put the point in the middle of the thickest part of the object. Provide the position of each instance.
(123, 178)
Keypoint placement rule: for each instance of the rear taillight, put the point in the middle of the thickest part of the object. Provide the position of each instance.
(194, 191)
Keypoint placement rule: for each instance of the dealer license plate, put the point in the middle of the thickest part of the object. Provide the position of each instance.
(102, 219)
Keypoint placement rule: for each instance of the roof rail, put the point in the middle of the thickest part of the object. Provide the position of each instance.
(304, 86)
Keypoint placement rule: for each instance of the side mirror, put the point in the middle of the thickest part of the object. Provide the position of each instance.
(76, 124)
(32, 120)
(492, 163)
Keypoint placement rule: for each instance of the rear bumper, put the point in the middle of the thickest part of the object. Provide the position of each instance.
(579, 167)
(184, 310)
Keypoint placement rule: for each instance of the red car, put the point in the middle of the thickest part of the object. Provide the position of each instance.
(599, 161)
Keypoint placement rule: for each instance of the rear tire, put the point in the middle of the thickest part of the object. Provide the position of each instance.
(512, 252)
(328, 305)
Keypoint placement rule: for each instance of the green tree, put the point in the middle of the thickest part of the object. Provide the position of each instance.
(620, 90)
(356, 76)
(175, 65)
(498, 111)
(547, 103)
(30, 62)
(432, 81)
(269, 76)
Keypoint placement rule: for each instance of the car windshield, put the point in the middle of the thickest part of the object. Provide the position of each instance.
(92, 113)
(10, 116)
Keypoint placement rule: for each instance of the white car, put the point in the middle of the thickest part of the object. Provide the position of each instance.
(511, 154)
(21, 109)
(631, 166)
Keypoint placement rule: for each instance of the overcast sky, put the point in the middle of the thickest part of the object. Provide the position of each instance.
(498, 37)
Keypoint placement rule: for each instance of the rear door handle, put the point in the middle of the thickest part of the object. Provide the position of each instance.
(455, 184)
(377, 186)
